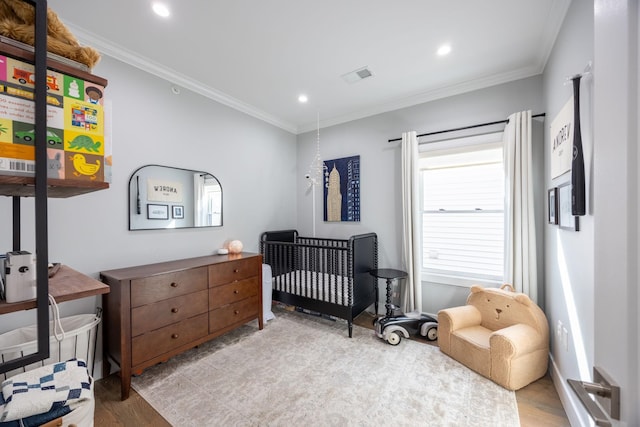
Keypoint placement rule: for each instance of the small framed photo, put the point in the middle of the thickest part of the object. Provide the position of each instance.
(552, 207)
(177, 212)
(565, 219)
(157, 211)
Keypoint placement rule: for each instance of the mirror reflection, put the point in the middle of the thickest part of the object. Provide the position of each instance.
(168, 197)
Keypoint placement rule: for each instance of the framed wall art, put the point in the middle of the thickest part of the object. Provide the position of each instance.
(552, 206)
(561, 138)
(565, 219)
(177, 211)
(157, 211)
(342, 189)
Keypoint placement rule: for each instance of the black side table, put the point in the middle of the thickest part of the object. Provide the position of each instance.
(389, 274)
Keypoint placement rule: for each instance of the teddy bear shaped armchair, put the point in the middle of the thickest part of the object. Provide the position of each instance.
(500, 334)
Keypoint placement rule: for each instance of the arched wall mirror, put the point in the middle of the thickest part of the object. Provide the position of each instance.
(168, 197)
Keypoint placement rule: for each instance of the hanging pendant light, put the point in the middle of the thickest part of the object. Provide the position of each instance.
(315, 175)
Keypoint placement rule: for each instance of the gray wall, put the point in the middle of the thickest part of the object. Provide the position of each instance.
(254, 162)
(569, 256)
(380, 188)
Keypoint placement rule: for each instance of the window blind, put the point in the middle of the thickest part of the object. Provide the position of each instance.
(463, 214)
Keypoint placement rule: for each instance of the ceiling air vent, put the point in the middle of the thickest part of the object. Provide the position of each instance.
(357, 75)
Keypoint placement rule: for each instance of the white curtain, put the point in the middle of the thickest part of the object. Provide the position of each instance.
(200, 211)
(411, 222)
(520, 268)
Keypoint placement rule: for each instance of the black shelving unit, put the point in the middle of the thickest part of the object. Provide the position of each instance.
(42, 243)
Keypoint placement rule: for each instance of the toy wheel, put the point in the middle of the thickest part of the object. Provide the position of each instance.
(432, 333)
(394, 338)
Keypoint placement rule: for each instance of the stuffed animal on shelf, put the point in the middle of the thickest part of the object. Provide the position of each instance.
(17, 19)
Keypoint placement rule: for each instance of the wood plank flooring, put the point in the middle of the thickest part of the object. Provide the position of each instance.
(538, 403)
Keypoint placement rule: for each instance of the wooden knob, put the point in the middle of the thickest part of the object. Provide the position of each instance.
(174, 310)
(174, 336)
(236, 312)
(236, 291)
(174, 285)
(236, 271)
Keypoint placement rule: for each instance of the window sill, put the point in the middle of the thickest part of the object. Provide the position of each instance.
(461, 281)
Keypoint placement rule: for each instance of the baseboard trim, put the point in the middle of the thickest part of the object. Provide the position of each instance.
(572, 406)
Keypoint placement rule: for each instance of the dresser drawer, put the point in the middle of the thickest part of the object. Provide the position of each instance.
(226, 272)
(232, 292)
(233, 313)
(155, 343)
(154, 316)
(168, 285)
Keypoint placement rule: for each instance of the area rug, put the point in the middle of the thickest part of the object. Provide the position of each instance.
(304, 370)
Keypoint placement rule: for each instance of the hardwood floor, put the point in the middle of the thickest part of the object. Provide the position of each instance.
(133, 412)
(538, 403)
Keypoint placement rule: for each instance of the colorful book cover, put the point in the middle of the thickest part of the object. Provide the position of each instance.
(76, 146)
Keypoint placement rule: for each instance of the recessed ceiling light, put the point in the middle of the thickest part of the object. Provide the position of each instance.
(443, 50)
(161, 9)
(303, 98)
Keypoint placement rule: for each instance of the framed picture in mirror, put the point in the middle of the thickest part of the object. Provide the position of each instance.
(157, 211)
(177, 212)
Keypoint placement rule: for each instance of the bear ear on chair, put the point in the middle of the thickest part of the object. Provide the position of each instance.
(523, 299)
(476, 288)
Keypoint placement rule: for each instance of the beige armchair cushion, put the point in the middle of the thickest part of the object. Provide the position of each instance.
(500, 334)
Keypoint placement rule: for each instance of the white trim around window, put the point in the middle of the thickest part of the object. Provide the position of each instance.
(449, 208)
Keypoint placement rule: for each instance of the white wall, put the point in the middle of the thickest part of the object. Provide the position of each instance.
(254, 162)
(380, 188)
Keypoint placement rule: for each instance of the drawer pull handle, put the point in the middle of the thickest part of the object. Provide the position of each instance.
(174, 336)
(174, 310)
(236, 312)
(236, 271)
(174, 285)
(236, 291)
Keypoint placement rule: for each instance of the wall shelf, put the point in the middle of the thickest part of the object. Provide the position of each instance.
(23, 186)
(25, 52)
(66, 285)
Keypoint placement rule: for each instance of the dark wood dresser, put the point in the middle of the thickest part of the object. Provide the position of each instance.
(156, 311)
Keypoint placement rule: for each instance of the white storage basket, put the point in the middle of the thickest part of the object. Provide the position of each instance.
(80, 336)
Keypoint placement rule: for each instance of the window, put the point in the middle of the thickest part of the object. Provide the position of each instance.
(463, 211)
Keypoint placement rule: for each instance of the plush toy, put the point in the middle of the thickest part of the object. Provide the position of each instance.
(17, 20)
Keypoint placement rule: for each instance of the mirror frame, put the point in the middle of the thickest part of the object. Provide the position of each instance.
(131, 197)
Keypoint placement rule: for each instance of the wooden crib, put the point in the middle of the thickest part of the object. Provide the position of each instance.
(328, 276)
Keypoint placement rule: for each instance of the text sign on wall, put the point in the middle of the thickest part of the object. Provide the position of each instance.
(562, 140)
(164, 191)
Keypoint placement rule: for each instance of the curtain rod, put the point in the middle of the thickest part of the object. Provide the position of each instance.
(465, 127)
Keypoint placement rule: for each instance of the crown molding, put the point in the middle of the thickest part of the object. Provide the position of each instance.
(122, 54)
(554, 22)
